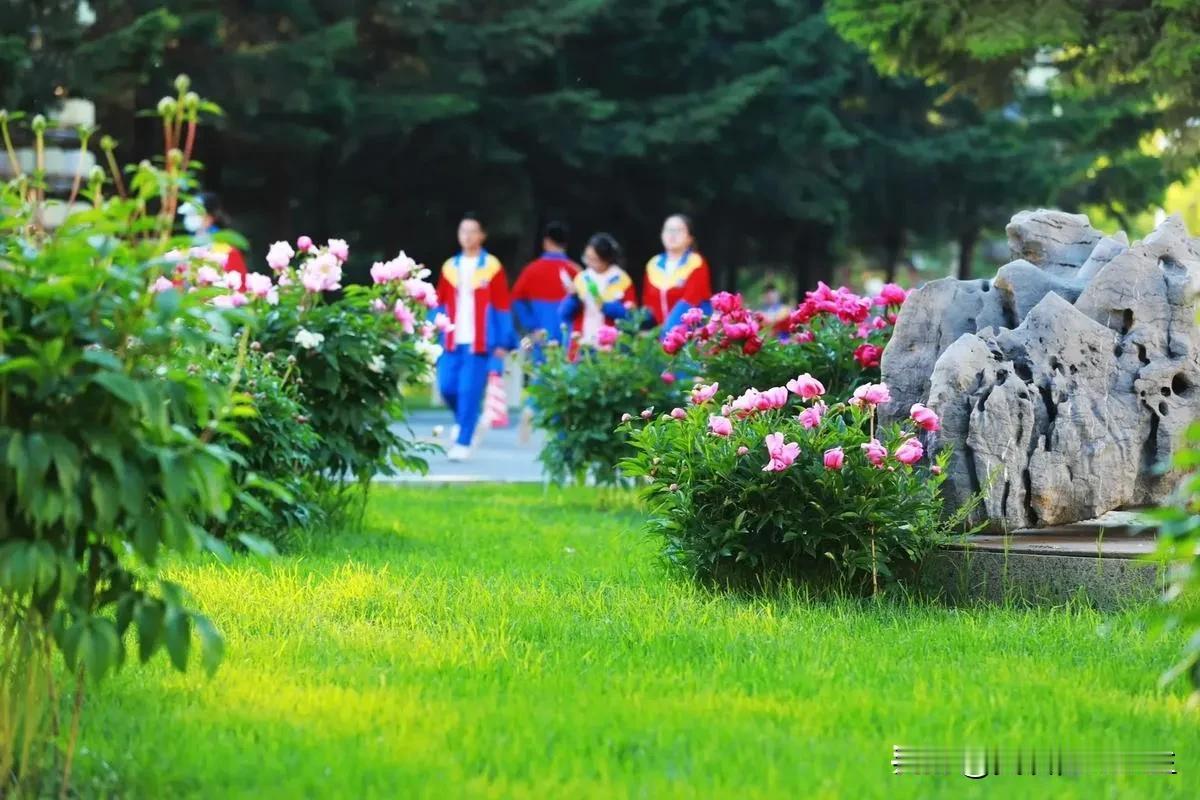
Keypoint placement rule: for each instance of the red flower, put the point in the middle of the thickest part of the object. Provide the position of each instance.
(867, 355)
(752, 345)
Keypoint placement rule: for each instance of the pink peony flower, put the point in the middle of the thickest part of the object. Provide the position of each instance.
(259, 285)
(442, 322)
(161, 285)
(626, 417)
(378, 305)
(231, 300)
(867, 355)
(935, 469)
(719, 426)
(875, 452)
(748, 402)
(678, 413)
(207, 276)
(675, 339)
(304, 244)
(725, 302)
(703, 393)
(776, 397)
(693, 316)
(339, 249)
(806, 386)
(426, 331)
(803, 337)
(279, 256)
(321, 274)
(925, 417)
(909, 452)
(741, 451)
(648, 413)
(421, 291)
(668, 377)
(871, 394)
(891, 295)
(232, 281)
(834, 458)
(404, 316)
(739, 330)
(811, 417)
(781, 455)
(606, 337)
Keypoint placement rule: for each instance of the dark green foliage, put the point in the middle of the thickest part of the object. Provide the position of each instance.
(721, 516)
(756, 117)
(580, 403)
(350, 386)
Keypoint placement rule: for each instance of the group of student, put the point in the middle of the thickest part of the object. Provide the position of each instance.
(552, 298)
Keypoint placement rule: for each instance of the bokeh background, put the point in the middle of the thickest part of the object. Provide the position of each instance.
(799, 155)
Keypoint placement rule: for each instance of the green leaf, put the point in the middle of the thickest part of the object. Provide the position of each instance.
(178, 635)
(212, 646)
(119, 385)
(257, 545)
(149, 618)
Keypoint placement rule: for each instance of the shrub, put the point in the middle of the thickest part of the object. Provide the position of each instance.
(579, 402)
(111, 452)
(832, 334)
(750, 489)
(351, 357)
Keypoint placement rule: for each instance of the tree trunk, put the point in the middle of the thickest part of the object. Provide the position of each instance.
(893, 247)
(813, 261)
(966, 252)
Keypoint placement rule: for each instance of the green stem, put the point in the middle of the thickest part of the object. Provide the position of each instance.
(8, 146)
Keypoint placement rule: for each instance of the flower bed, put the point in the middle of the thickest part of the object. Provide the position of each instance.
(780, 483)
(833, 333)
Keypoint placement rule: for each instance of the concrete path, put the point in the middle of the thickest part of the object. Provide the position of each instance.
(499, 456)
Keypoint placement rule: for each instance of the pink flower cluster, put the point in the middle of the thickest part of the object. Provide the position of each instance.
(782, 454)
(848, 307)
(397, 269)
(606, 337)
(731, 325)
(203, 269)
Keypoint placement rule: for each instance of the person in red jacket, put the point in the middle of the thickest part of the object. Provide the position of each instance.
(678, 278)
(205, 218)
(473, 292)
(541, 286)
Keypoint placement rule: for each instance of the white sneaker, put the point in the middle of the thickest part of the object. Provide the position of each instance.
(454, 432)
(459, 453)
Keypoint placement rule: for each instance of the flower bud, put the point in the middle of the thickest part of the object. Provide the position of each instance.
(182, 83)
(96, 174)
(256, 346)
(107, 142)
(291, 360)
(38, 124)
(174, 156)
(674, 487)
(191, 102)
(3, 115)
(167, 107)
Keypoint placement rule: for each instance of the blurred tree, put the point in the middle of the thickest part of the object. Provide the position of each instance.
(383, 120)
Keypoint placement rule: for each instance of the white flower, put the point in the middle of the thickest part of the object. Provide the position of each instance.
(279, 256)
(309, 340)
(430, 350)
(376, 365)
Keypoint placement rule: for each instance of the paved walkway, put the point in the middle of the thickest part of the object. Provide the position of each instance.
(498, 457)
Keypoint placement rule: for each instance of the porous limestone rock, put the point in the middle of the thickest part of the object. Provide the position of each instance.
(1065, 383)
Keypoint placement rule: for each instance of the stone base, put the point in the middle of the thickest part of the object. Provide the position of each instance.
(1099, 562)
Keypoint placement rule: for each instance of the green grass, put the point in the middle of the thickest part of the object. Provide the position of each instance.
(503, 642)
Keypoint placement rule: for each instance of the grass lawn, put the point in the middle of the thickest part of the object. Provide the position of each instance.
(481, 641)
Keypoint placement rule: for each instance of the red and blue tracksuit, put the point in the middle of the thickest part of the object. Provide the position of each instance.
(536, 295)
(463, 370)
(672, 288)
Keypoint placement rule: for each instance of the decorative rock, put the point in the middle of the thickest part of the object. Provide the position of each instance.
(1057, 242)
(1065, 389)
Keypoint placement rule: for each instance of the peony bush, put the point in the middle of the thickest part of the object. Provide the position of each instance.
(834, 333)
(789, 483)
(579, 399)
(349, 357)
